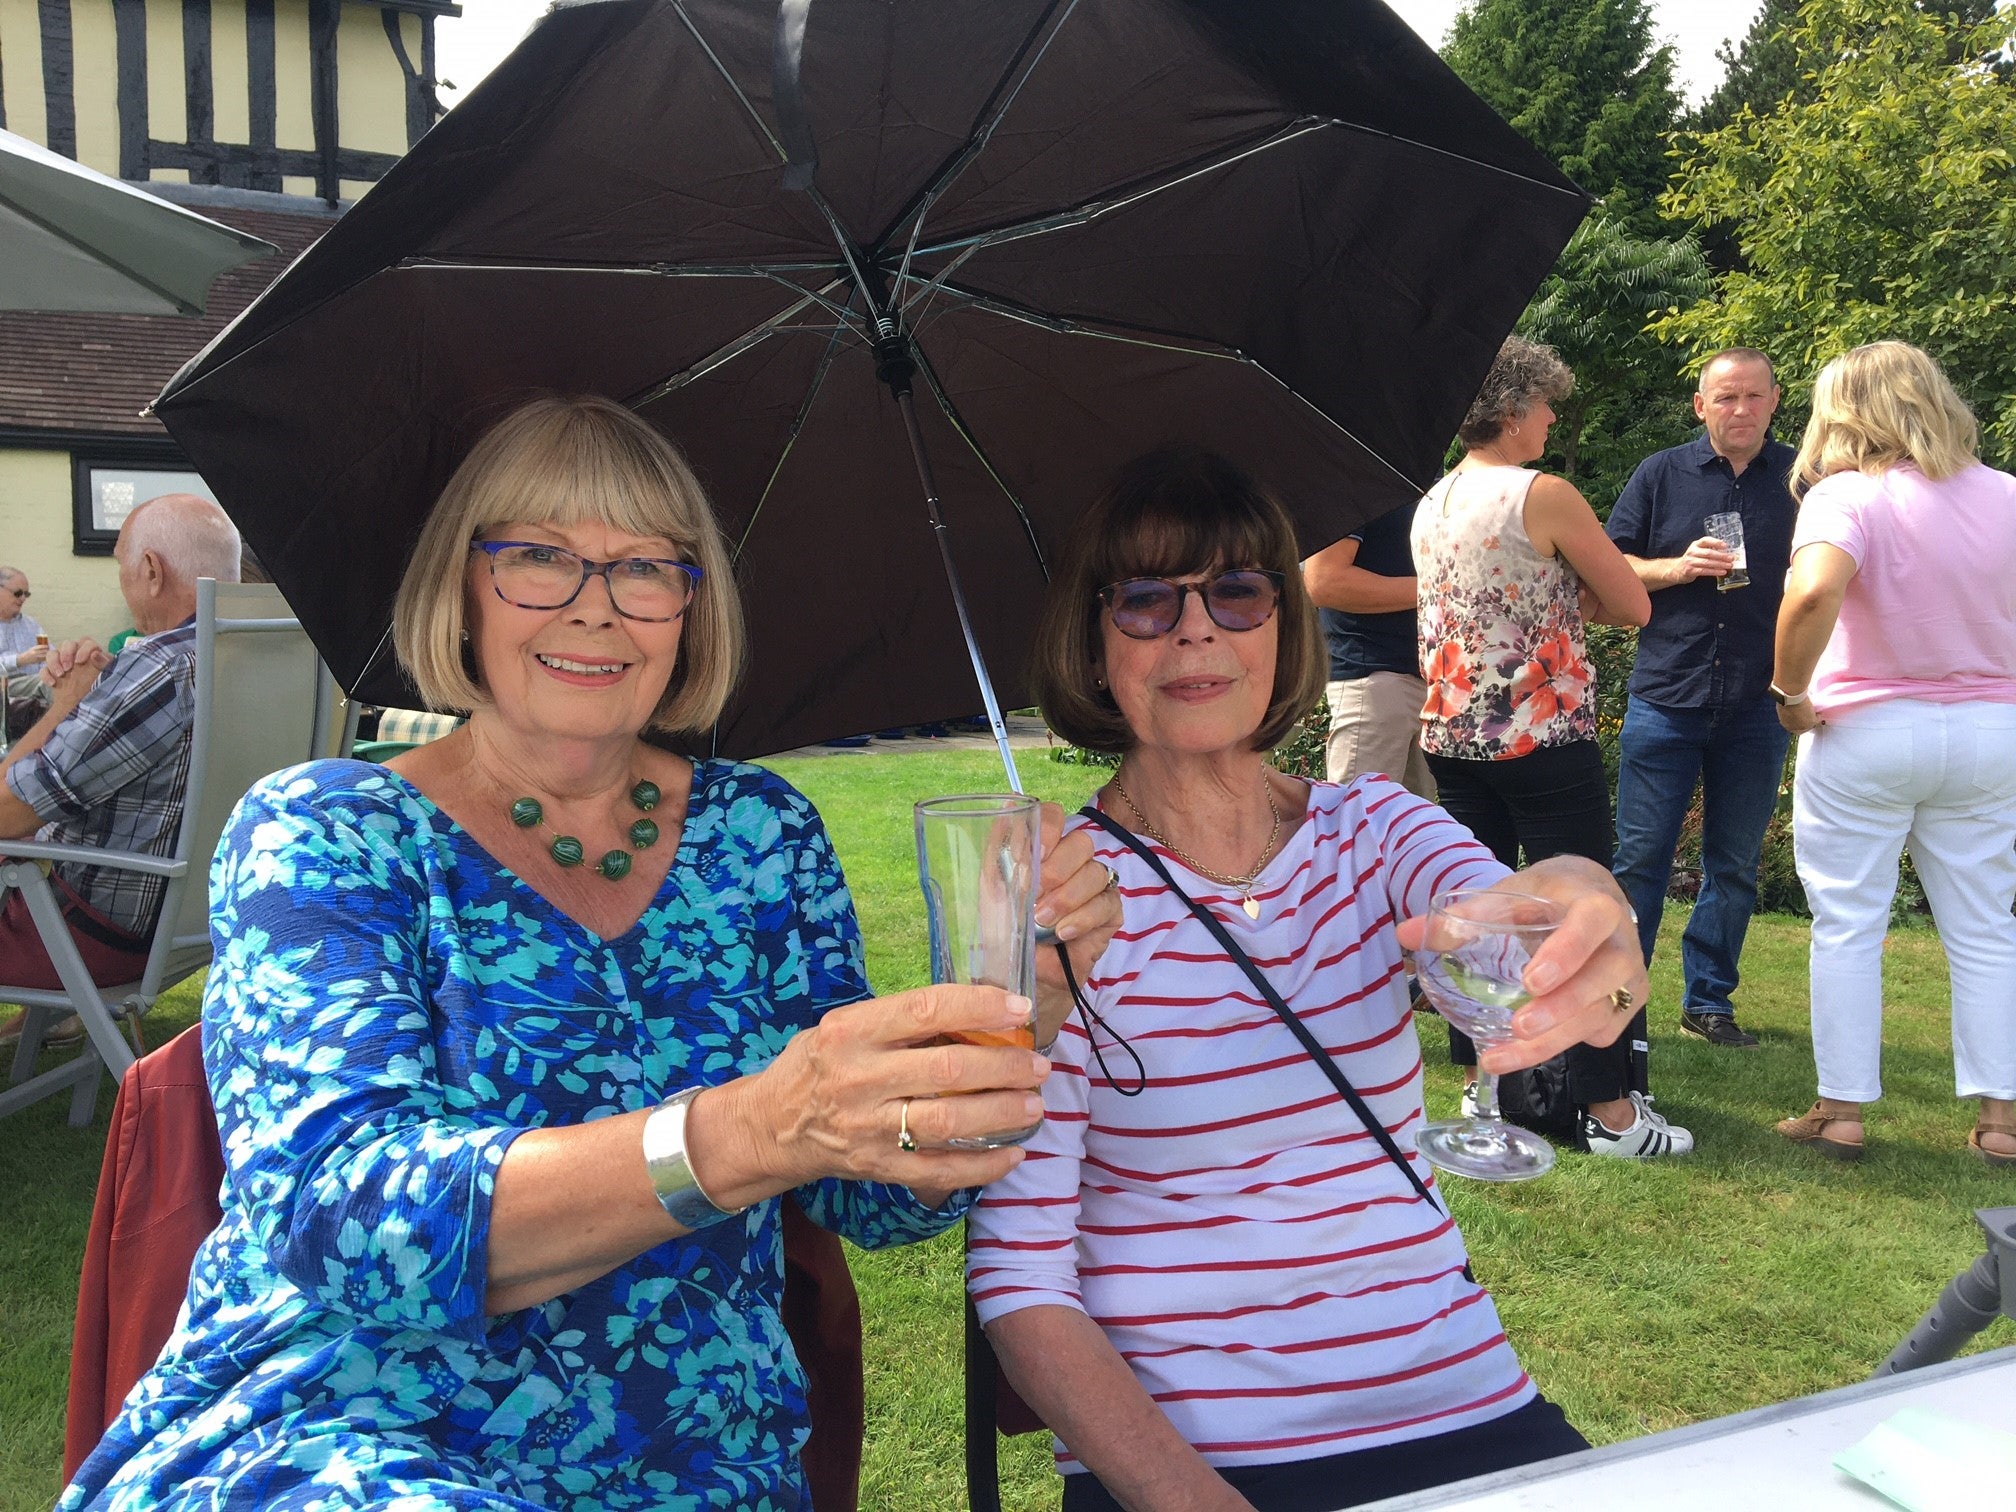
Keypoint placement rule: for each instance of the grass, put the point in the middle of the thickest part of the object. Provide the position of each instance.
(1639, 1297)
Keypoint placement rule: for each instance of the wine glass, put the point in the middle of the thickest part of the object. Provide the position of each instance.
(1472, 966)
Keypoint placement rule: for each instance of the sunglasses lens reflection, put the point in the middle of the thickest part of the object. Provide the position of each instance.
(1145, 608)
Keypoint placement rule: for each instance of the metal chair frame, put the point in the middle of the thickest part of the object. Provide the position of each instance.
(257, 673)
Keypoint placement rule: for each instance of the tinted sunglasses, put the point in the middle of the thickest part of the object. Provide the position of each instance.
(1144, 608)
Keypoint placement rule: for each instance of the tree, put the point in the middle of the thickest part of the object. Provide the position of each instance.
(1881, 206)
(1595, 309)
(1765, 67)
(1584, 82)
(1758, 72)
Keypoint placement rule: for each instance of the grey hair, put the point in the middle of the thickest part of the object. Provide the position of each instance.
(8, 574)
(192, 537)
(1523, 373)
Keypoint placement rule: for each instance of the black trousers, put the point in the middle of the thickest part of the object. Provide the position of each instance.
(1536, 1431)
(1553, 802)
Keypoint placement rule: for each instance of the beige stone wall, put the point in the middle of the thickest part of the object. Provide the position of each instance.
(74, 595)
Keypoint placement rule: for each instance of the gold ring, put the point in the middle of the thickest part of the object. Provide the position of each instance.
(1622, 1000)
(905, 1140)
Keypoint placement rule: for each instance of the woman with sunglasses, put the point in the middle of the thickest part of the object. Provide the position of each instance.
(516, 1046)
(1211, 1278)
(1510, 560)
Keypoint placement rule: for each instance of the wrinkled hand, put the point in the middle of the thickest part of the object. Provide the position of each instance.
(1074, 896)
(1708, 557)
(1589, 956)
(72, 668)
(834, 1096)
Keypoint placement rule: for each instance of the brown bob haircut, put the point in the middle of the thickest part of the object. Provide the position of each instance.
(562, 461)
(1169, 514)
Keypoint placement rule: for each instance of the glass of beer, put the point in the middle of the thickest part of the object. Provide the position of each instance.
(1728, 529)
(977, 861)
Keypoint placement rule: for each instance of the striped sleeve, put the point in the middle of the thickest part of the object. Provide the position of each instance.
(1423, 850)
(1021, 1236)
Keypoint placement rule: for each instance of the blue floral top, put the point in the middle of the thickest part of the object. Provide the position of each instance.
(387, 1011)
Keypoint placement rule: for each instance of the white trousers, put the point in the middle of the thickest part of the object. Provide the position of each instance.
(1943, 777)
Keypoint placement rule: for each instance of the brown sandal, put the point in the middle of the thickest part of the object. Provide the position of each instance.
(1993, 1157)
(1810, 1129)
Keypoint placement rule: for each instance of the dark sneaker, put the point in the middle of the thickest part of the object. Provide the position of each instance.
(1718, 1029)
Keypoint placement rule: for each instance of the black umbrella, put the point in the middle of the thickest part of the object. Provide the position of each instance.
(1079, 228)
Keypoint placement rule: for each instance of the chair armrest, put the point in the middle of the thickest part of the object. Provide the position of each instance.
(90, 855)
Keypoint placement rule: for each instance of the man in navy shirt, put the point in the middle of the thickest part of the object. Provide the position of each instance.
(1365, 587)
(1701, 703)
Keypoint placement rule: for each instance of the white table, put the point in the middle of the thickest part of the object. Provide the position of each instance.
(1778, 1457)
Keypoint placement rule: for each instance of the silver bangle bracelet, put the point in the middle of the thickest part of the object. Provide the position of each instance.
(679, 1191)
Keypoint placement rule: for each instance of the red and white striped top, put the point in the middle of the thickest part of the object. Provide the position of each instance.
(1275, 1282)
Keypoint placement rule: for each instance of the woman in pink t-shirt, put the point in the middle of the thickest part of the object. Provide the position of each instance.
(1896, 668)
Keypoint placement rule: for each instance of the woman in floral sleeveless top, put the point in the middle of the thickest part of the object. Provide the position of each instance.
(1510, 561)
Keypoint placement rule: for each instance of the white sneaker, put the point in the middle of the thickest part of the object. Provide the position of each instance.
(1649, 1135)
(1468, 1102)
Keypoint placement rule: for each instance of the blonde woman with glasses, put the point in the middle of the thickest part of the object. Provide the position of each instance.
(516, 1044)
(1896, 668)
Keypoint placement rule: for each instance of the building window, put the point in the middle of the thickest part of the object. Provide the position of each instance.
(110, 484)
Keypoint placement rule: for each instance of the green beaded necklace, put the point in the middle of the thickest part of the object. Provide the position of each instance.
(567, 851)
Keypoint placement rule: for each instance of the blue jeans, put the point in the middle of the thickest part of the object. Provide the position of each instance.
(1737, 755)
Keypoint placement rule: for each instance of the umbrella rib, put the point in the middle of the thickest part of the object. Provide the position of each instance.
(1143, 336)
(973, 443)
(729, 351)
(848, 251)
(790, 442)
(1020, 68)
(729, 79)
(1139, 189)
(640, 270)
(1182, 173)
(1172, 341)
(772, 271)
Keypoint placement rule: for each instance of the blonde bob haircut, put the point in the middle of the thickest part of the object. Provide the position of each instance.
(1170, 514)
(1882, 405)
(563, 462)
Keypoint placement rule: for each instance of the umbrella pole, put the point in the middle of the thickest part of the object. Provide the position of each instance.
(895, 368)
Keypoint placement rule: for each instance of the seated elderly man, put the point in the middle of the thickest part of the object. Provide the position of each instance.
(108, 765)
(21, 654)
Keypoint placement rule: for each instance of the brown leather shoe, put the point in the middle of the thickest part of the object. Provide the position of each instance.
(1993, 1157)
(65, 1032)
(1825, 1132)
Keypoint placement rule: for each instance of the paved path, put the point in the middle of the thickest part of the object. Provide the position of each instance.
(1025, 732)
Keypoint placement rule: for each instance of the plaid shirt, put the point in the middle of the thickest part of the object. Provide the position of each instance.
(16, 635)
(113, 775)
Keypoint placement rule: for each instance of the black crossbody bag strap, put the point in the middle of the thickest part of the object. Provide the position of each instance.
(1300, 1030)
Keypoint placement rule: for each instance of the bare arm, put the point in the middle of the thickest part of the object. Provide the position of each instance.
(1336, 581)
(1814, 589)
(1064, 1367)
(1560, 522)
(72, 672)
(572, 1204)
(1705, 557)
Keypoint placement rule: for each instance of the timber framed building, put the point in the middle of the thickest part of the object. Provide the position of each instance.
(269, 115)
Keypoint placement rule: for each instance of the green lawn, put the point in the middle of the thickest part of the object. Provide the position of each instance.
(1639, 1297)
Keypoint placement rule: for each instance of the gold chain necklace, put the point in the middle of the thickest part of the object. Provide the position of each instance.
(1245, 884)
